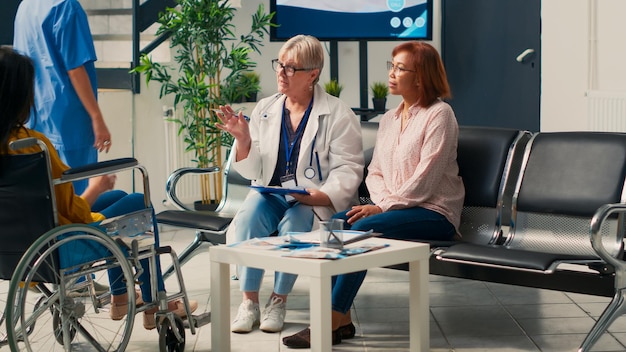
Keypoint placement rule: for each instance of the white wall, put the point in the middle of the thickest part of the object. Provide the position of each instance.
(378, 54)
(572, 63)
(583, 48)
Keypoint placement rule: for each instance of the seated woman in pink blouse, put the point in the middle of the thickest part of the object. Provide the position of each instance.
(413, 178)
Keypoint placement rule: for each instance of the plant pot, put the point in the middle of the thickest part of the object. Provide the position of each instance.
(198, 205)
(379, 104)
(252, 98)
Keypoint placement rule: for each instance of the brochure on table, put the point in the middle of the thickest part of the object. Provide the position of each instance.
(306, 244)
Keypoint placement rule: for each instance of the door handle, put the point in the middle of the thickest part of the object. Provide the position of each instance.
(525, 55)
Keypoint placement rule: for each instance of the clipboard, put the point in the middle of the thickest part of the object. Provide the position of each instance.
(278, 190)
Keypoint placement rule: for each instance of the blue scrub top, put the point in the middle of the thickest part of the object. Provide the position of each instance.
(56, 35)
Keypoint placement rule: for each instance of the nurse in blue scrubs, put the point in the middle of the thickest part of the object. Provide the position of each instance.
(55, 34)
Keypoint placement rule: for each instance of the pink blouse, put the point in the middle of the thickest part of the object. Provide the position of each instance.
(417, 166)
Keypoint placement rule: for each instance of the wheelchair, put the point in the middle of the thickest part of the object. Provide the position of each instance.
(50, 271)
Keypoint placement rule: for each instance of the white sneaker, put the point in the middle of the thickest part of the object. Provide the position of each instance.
(273, 315)
(247, 317)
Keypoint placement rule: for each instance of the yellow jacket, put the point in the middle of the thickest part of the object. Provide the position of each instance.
(72, 209)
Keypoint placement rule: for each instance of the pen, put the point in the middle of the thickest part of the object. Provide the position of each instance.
(235, 111)
(296, 245)
(316, 215)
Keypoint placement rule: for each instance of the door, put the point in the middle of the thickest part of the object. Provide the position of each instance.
(492, 54)
(8, 8)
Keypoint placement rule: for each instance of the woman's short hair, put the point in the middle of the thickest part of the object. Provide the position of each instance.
(431, 75)
(17, 92)
(307, 50)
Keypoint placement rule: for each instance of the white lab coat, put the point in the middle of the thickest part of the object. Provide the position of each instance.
(338, 144)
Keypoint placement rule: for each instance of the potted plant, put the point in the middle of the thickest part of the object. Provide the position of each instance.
(333, 87)
(250, 82)
(209, 64)
(380, 90)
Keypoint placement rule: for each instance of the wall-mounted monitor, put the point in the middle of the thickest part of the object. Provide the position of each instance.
(343, 20)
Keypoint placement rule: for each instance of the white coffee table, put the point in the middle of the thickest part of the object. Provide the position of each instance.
(320, 272)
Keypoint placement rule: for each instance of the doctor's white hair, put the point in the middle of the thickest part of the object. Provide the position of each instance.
(307, 51)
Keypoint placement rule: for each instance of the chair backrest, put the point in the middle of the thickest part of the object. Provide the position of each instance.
(235, 190)
(486, 158)
(565, 178)
(27, 207)
(368, 133)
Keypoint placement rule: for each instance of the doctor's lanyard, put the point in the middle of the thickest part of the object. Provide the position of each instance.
(289, 147)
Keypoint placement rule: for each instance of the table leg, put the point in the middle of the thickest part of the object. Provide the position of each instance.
(419, 309)
(320, 307)
(220, 307)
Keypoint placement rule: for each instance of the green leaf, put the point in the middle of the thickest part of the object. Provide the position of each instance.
(202, 36)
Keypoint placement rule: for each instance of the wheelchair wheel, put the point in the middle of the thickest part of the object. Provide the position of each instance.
(4, 289)
(172, 335)
(55, 307)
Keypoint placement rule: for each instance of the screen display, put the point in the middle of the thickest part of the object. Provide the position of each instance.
(352, 19)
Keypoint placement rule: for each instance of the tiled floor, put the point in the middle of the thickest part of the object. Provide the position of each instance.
(465, 315)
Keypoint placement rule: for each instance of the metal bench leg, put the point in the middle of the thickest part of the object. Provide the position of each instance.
(616, 308)
(185, 255)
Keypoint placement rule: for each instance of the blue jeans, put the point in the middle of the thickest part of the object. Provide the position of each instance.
(261, 215)
(402, 224)
(116, 203)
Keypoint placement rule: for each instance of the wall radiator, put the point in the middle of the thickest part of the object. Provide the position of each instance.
(606, 111)
(188, 188)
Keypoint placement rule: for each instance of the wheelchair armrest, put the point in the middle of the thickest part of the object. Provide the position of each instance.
(97, 169)
(172, 180)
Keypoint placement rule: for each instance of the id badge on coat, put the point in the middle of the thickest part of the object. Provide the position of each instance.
(288, 181)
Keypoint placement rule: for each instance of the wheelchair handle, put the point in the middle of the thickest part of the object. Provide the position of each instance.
(23, 143)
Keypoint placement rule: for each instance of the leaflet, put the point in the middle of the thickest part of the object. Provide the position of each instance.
(331, 253)
(306, 244)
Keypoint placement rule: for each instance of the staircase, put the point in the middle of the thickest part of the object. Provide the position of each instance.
(122, 30)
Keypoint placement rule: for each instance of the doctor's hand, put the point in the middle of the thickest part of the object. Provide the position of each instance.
(233, 122)
(315, 197)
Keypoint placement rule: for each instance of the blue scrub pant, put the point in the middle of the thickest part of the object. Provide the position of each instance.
(403, 224)
(261, 215)
(116, 203)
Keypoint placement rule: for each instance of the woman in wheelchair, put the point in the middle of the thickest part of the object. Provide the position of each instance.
(98, 202)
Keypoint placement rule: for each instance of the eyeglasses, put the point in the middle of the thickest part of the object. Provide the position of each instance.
(289, 70)
(397, 69)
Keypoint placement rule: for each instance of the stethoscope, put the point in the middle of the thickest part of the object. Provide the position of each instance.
(309, 172)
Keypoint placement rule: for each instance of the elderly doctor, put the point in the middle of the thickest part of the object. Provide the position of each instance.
(302, 137)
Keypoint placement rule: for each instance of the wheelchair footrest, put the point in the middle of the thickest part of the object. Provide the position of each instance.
(197, 320)
(143, 241)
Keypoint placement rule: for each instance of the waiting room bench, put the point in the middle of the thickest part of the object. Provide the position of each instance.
(555, 220)
(542, 210)
(210, 226)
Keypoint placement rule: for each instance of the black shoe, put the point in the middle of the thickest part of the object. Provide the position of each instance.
(347, 331)
(302, 339)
